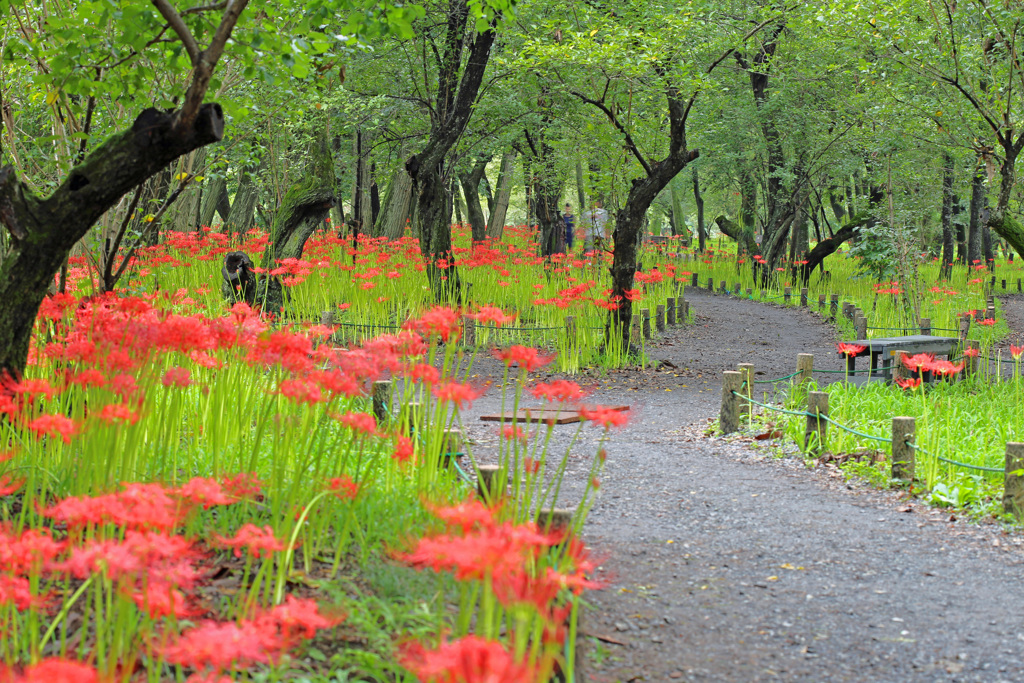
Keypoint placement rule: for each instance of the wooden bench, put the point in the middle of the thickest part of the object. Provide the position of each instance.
(882, 348)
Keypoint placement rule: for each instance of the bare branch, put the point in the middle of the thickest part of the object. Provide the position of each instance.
(630, 144)
(206, 62)
(216, 7)
(175, 21)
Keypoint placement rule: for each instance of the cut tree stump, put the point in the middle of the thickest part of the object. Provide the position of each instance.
(539, 414)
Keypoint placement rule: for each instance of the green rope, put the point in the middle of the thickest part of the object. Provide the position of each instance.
(850, 372)
(779, 379)
(854, 431)
(458, 468)
(980, 468)
(777, 410)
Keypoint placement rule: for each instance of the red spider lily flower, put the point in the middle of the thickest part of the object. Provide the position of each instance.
(513, 433)
(17, 591)
(493, 315)
(258, 541)
(403, 450)
(118, 412)
(88, 378)
(343, 487)
(531, 466)
(53, 425)
(909, 382)
(138, 506)
(528, 358)
(921, 362)
(605, 416)
(56, 670)
(972, 353)
(1016, 351)
(470, 660)
(29, 387)
(633, 294)
(301, 391)
(987, 321)
(364, 423)
(297, 618)
(559, 391)
(242, 485)
(222, 646)
(440, 321)
(9, 485)
(944, 368)
(467, 515)
(850, 349)
(205, 492)
(459, 394)
(421, 372)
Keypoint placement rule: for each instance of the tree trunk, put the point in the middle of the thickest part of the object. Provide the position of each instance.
(362, 198)
(546, 190)
(243, 209)
(184, 215)
(397, 202)
(502, 194)
(743, 235)
(303, 209)
(961, 233)
(986, 242)
(974, 228)
(456, 201)
(43, 231)
(471, 189)
(946, 266)
(374, 195)
(827, 247)
(215, 201)
(581, 192)
(154, 192)
(748, 201)
(679, 228)
(699, 201)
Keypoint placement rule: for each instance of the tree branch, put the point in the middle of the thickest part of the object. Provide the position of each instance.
(205, 64)
(630, 144)
(178, 25)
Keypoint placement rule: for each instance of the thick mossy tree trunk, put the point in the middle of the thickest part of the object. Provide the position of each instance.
(827, 247)
(215, 201)
(502, 196)
(679, 227)
(183, 215)
(304, 208)
(396, 206)
(698, 200)
(974, 227)
(42, 231)
(743, 235)
(453, 109)
(470, 181)
(242, 216)
(546, 189)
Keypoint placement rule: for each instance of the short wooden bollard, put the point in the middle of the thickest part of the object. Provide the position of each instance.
(746, 407)
(817, 425)
(570, 330)
(686, 311)
(1004, 284)
(750, 293)
(926, 326)
(659, 318)
(736, 289)
(646, 315)
(489, 485)
(722, 287)
(805, 366)
(695, 281)
(990, 313)
(411, 417)
(903, 429)
(451, 446)
(1013, 480)
(1019, 284)
(803, 297)
(555, 521)
(848, 310)
(821, 302)
(860, 324)
(634, 330)
(468, 331)
(381, 394)
(729, 417)
(670, 310)
(971, 361)
(899, 370)
(327, 318)
(834, 305)
(711, 285)
(787, 294)
(965, 327)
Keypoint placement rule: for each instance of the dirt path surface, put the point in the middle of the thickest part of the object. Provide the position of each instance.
(727, 564)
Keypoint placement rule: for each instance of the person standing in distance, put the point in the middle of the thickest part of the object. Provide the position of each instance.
(570, 228)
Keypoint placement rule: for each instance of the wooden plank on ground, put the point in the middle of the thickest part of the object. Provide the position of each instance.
(541, 414)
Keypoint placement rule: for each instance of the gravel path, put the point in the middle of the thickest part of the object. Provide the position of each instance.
(725, 563)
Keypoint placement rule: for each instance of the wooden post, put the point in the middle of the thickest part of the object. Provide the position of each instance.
(381, 394)
(659, 318)
(412, 416)
(861, 325)
(736, 289)
(971, 362)
(1004, 284)
(1013, 479)
(990, 312)
(555, 520)
(814, 434)
(468, 331)
(848, 310)
(451, 447)
(834, 305)
(903, 429)
(489, 485)
(899, 370)
(926, 326)
(821, 302)
(803, 296)
(570, 330)
(787, 295)
(695, 281)
(670, 310)
(634, 329)
(729, 417)
(722, 287)
(965, 327)
(686, 311)
(1019, 285)
(750, 293)
(711, 285)
(747, 371)
(805, 366)
(646, 314)
(327, 318)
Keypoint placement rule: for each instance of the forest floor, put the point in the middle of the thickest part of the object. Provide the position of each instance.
(729, 562)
